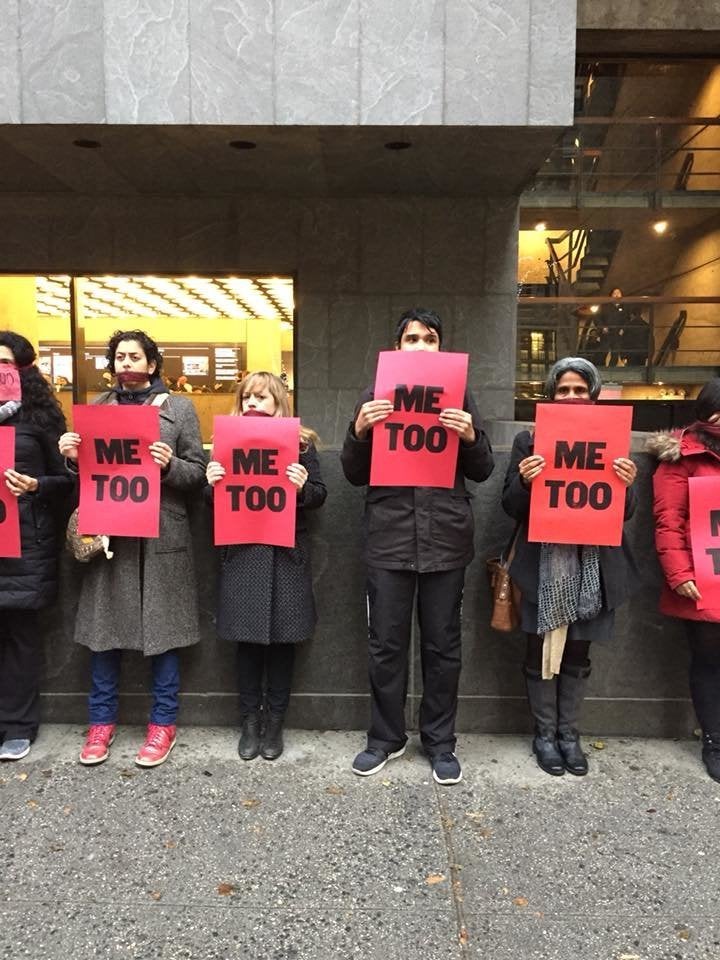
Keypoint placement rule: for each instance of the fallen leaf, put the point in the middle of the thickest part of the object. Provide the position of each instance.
(33, 804)
(250, 802)
(597, 744)
(683, 933)
(463, 937)
(651, 810)
(520, 901)
(67, 811)
(628, 956)
(155, 894)
(447, 822)
(57, 847)
(170, 844)
(433, 878)
(127, 774)
(21, 776)
(476, 815)
(485, 833)
(225, 889)
(385, 783)
(335, 791)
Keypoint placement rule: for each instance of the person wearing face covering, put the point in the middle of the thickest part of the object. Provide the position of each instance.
(691, 452)
(266, 604)
(144, 598)
(28, 582)
(569, 592)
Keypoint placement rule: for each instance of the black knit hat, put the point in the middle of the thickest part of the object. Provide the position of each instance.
(708, 401)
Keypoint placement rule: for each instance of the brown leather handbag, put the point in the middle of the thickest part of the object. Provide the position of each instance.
(505, 595)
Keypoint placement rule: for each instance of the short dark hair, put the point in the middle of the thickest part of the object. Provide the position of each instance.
(150, 349)
(428, 318)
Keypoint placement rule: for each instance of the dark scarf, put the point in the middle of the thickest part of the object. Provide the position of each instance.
(139, 396)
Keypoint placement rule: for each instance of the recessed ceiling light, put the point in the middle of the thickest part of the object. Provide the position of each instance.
(541, 226)
(660, 227)
(87, 144)
(242, 144)
(594, 308)
(398, 145)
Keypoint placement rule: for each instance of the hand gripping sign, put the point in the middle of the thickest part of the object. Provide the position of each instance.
(9, 515)
(119, 480)
(704, 495)
(412, 448)
(255, 502)
(578, 497)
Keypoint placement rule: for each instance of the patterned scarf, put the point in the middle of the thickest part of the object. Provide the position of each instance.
(569, 587)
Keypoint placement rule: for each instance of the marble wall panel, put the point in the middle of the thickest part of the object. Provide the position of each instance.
(330, 245)
(312, 358)
(147, 72)
(501, 238)
(205, 234)
(392, 238)
(232, 61)
(454, 245)
(402, 54)
(317, 61)
(61, 61)
(10, 93)
(487, 62)
(359, 326)
(552, 62)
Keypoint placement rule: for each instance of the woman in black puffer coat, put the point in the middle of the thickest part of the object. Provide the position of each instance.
(28, 582)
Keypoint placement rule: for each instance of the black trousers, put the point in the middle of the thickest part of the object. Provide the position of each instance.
(21, 654)
(276, 662)
(391, 599)
(704, 642)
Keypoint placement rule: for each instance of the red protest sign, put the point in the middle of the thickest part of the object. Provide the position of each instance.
(704, 494)
(255, 502)
(578, 497)
(119, 480)
(9, 514)
(412, 448)
(9, 383)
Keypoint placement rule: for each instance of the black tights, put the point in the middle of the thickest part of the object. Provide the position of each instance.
(704, 641)
(276, 662)
(575, 655)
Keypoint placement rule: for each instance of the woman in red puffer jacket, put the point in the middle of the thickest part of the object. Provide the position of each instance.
(692, 452)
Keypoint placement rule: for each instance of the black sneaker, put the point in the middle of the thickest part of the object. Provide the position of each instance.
(711, 754)
(446, 768)
(373, 759)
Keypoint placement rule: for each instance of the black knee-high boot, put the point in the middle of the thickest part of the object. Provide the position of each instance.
(542, 697)
(572, 683)
(705, 692)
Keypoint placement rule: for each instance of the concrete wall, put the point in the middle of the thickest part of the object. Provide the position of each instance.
(648, 15)
(287, 61)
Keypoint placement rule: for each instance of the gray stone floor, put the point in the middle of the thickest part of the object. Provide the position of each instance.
(209, 857)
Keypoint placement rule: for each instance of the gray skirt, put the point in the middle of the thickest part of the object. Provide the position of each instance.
(266, 594)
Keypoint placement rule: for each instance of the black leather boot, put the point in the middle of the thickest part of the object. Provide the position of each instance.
(249, 744)
(542, 697)
(272, 745)
(572, 682)
(711, 754)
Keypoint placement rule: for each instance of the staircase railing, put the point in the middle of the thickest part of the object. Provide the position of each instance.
(563, 268)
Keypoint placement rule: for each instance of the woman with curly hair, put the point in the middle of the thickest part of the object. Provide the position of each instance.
(29, 582)
(143, 599)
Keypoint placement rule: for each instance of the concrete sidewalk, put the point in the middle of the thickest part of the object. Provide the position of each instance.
(210, 857)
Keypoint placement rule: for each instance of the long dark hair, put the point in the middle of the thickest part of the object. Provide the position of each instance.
(39, 404)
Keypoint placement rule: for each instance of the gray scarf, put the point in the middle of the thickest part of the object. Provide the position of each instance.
(569, 587)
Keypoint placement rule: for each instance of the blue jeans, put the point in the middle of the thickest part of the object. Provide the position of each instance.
(105, 676)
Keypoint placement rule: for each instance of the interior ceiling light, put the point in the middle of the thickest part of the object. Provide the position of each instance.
(660, 227)
(541, 226)
(398, 145)
(594, 308)
(242, 144)
(86, 144)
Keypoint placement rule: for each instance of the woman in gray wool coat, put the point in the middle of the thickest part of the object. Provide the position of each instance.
(144, 598)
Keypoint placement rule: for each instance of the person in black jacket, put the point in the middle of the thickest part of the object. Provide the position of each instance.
(266, 604)
(28, 583)
(569, 592)
(417, 539)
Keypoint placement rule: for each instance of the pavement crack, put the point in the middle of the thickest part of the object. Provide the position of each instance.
(447, 824)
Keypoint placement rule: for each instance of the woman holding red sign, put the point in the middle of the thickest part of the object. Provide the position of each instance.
(690, 453)
(569, 592)
(266, 602)
(28, 582)
(144, 598)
